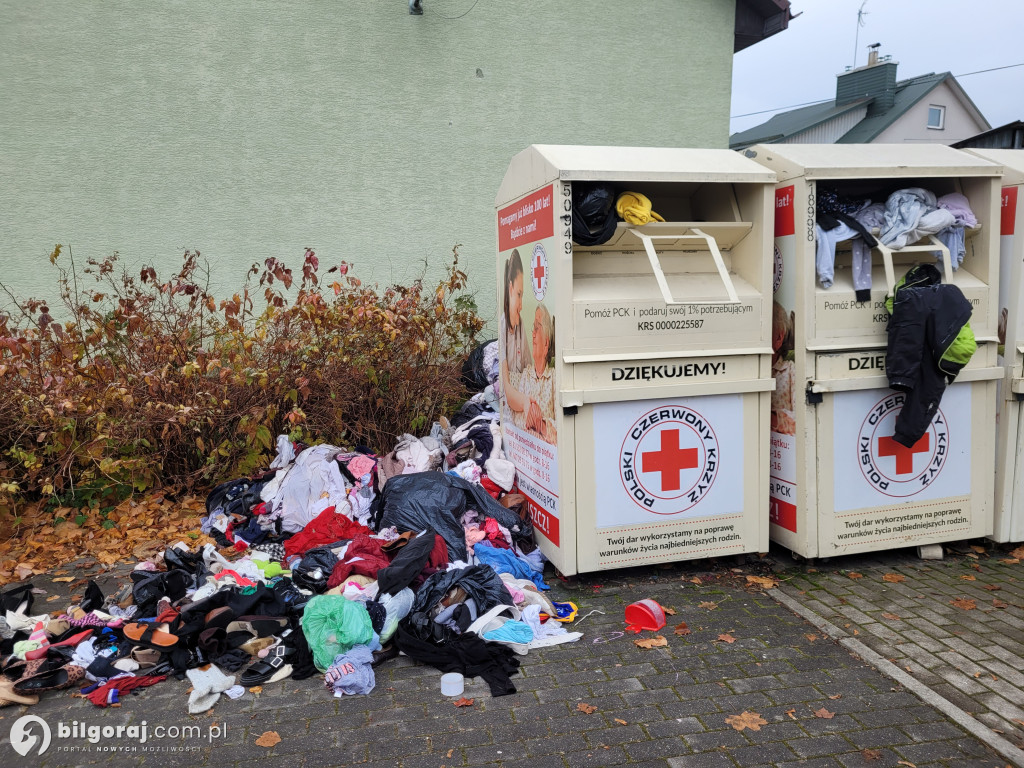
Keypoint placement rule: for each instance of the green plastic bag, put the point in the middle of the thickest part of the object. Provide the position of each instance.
(334, 624)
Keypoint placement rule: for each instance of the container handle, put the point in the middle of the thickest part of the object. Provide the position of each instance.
(936, 245)
(659, 273)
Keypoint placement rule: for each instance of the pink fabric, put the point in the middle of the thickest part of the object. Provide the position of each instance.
(360, 465)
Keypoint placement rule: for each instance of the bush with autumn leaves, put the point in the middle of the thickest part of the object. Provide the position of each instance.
(139, 382)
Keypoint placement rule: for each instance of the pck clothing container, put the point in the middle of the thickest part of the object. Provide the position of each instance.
(1009, 498)
(649, 439)
(840, 482)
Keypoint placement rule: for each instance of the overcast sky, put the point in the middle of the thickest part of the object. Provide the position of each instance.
(800, 64)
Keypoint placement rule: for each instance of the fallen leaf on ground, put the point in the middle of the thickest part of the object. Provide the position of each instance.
(890, 616)
(837, 696)
(682, 629)
(725, 637)
(964, 604)
(51, 598)
(871, 754)
(991, 587)
(906, 763)
(64, 579)
(587, 708)
(449, 752)
(811, 638)
(750, 720)
(791, 713)
(824, 714)
(894, 578)
(708, 605)
(651, 642)
(1018, 722)
(968, 577)
(256, 690)
(765, 582)
(855, 575)
(999, 603)
(979, 549)
(1017, 553)
(696, 581)
(669, 611)
(620, 722)
(464, 702)
(268, 739)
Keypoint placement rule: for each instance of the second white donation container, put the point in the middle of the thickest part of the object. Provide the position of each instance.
(636, 371)
(840, 482)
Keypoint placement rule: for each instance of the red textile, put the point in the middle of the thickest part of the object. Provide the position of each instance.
(490, 487)
(364, 557)
(494, 534)
(101, 696)
(325, 528)
(437, 560)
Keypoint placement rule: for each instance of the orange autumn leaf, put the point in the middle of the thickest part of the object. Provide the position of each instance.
(999, 603)
(855, 575)
(620, 722)
(588, 709)
(791, 713)
(750, 720)
(824, 713)
(669, 611)
(1017, 553)
(811, 638)
(268, 739)
(890, 616)
(964, 604)
(837, 696)
(708, 605)
(464, 702)
(894, 578)
(1009, 560)
(968, 577)
(651, 642)
(765, 582)
(871, 754)
(991, 587)
(725, 637)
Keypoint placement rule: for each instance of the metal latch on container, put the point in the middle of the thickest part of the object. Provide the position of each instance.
(813, 398)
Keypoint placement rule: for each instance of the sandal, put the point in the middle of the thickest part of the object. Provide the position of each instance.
(270, 669)
(149, 635)
(51, 680)
(145, 657)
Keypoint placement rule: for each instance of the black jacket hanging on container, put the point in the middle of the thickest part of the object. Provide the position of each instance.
(930, 341)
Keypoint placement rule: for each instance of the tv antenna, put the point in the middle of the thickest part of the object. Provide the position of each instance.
(861, 13)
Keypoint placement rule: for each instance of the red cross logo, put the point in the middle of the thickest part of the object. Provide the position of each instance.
(670, 460)
(538, 270)
(904, 456)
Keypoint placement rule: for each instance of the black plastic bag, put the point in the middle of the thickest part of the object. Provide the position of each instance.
(593, 213)
(314, 569)
(480, 582)
(436, 501)
(474, 375)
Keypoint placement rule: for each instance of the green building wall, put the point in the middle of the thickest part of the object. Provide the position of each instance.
(255, 129)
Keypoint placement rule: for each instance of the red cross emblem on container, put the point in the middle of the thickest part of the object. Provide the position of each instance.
(669, 459)
(539, 271)
(890, 467)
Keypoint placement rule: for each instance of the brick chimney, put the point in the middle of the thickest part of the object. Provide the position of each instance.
(876, 80)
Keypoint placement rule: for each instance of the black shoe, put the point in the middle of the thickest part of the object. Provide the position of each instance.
(389, 651)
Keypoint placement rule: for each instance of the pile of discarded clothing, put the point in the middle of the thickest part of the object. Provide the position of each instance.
(338, 561)
(906, 216)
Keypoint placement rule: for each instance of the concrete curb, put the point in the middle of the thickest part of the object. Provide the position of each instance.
(964, 719)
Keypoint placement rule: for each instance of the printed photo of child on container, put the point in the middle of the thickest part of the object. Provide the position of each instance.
(783, 420)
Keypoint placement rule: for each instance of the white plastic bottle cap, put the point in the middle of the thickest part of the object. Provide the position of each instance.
(452, 684)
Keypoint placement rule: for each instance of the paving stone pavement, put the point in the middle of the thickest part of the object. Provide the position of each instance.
(955, 625)
(665, 706)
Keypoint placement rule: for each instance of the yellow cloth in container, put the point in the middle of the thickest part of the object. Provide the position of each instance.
(635, 208)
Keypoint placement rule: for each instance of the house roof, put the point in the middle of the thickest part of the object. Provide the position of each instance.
(908, 93)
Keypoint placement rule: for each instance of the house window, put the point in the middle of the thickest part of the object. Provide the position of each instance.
(936, 117)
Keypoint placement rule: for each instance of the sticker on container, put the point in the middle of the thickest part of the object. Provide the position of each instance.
(678, 458)
(935, 466)
(539, 271)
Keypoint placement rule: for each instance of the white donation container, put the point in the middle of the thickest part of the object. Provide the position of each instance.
(636, 372)
(840, 483)
(1009, 499)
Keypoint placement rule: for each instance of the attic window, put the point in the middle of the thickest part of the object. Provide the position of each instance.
(936, 117)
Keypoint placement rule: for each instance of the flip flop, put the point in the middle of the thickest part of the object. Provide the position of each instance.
(9, 697)
(149, 635)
